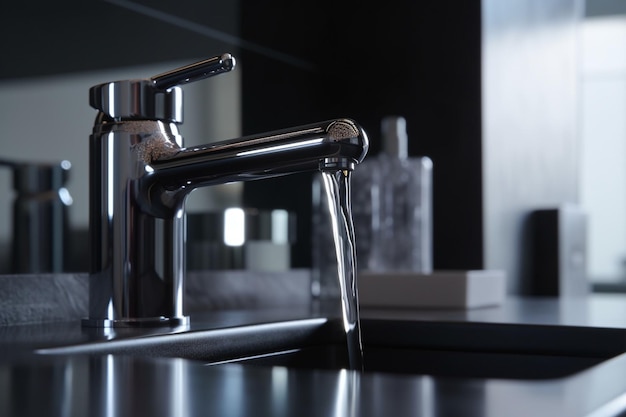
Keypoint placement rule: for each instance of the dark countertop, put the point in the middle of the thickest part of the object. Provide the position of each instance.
(597, 310)
(112, 384)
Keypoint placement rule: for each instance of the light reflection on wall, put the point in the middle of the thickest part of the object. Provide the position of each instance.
(603, 144)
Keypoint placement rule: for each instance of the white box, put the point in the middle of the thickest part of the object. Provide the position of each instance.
(440, 289)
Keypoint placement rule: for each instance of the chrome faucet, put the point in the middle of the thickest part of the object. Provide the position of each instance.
(140, 176)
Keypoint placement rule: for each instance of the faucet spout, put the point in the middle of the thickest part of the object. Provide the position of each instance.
(140, 175)
(331, 145)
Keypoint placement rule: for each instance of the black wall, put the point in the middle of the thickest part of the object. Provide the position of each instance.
(421, 60)
(41, 38)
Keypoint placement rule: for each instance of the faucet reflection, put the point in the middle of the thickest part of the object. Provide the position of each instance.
(140, 176)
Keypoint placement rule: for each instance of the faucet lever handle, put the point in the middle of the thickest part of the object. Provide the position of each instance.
(194, 72)
(157, 98)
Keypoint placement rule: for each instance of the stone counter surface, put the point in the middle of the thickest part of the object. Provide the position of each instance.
(41, 298)
(32, 384)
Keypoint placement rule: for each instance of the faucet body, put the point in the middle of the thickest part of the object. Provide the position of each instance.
(140, 176)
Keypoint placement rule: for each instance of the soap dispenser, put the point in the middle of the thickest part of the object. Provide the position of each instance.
(392, 206)
(40, 215)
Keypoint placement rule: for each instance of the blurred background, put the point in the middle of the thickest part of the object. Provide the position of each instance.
(520, 104)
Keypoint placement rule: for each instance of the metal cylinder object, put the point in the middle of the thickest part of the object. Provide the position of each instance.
(40, 216)
(240, 238)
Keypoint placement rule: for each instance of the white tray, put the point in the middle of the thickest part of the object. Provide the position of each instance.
(440, 289)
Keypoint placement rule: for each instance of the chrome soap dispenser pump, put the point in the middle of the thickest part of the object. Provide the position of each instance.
(40, 215)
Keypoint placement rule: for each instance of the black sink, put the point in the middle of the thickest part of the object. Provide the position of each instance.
(450, 349)
(459, 350)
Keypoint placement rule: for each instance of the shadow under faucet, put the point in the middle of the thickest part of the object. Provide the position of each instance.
(140, 175)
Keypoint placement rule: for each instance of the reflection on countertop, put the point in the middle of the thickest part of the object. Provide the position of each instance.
(116, 384)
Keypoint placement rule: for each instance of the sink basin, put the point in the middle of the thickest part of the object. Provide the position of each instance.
(451, 349)
(460, 350)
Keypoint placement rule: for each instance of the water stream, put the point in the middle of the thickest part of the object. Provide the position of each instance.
(337, 185)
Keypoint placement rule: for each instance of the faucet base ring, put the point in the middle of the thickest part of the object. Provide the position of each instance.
(138, 322)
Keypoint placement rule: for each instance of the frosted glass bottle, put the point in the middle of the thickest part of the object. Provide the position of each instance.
(392, 206)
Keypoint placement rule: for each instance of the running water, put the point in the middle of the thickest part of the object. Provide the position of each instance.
(337, 186)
